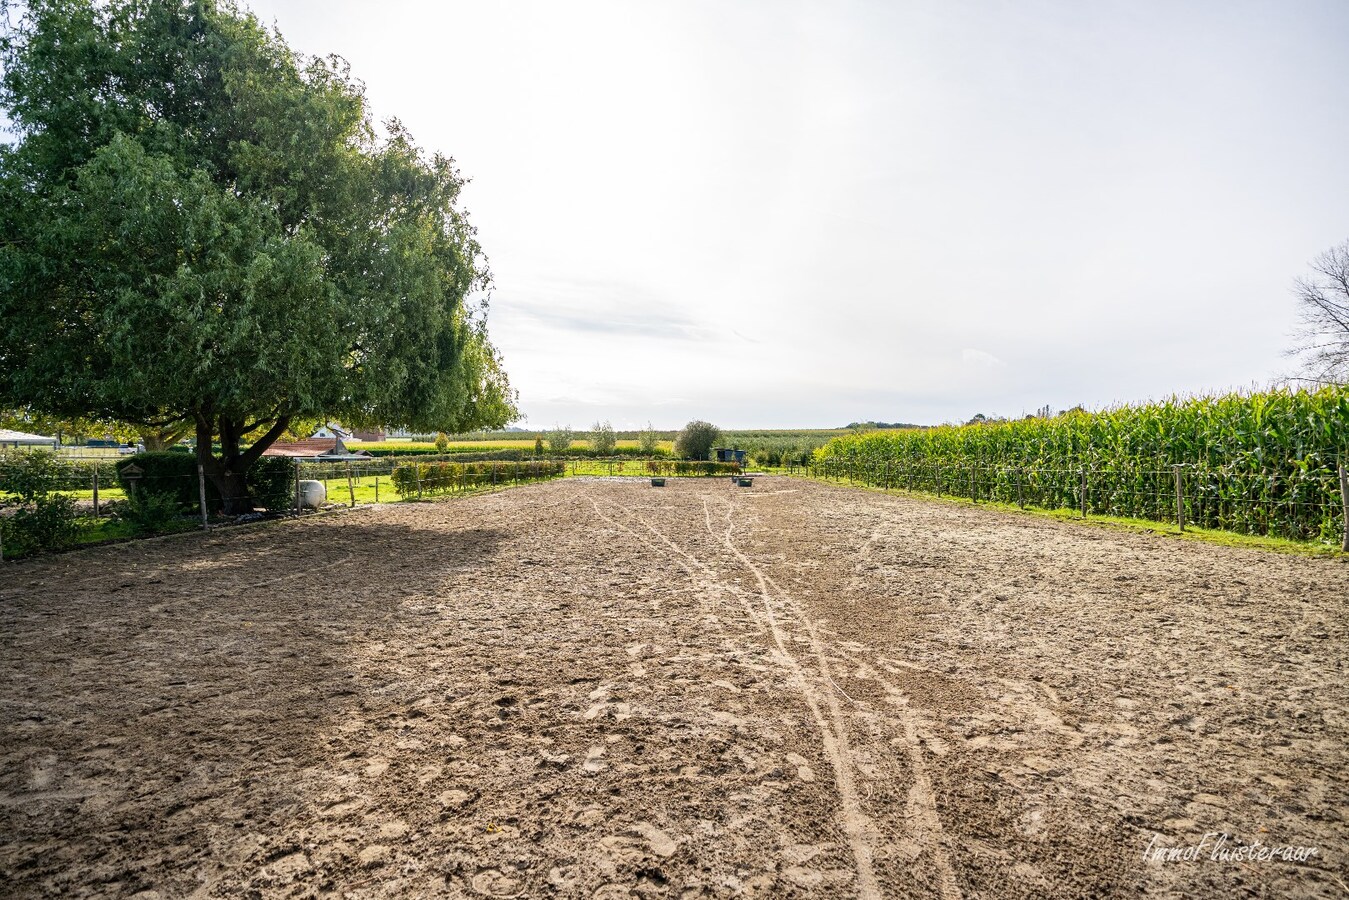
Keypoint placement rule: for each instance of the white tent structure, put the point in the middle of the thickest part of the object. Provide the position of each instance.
(23, 439)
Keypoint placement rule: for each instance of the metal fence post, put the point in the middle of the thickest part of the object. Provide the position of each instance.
(1180, 498)
(299, 510)
(1344, 503)
(95, 468)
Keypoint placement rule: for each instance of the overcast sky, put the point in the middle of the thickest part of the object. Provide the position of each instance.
(773, 214)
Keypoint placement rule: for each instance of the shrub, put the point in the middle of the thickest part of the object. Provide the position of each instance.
(559, 439)
(29, 474)
(430, 478)
(41, 519)
(46, 522)
(696, 440)
(151, 512)
(602, 439)
(691, 467)
(270, 479)
(648, 441)
(442, 441)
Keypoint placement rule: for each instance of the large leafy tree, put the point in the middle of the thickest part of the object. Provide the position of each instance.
(200, 226)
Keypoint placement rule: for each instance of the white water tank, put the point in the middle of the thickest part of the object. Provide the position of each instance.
(312, 494)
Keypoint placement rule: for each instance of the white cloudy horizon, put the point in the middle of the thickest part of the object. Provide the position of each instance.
(802, 215)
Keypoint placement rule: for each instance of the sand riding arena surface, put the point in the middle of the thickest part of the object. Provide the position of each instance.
(597, 688)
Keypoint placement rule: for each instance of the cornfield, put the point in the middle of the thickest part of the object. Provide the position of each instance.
(1262, 463)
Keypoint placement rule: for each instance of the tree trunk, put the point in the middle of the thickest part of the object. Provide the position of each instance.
(229, 471)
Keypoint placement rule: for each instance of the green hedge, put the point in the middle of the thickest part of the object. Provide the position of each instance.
(420, 479)
(271, 479)
(514, 454)
(691, 467)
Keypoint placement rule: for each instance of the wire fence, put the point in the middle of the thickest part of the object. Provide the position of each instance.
(1311, 507)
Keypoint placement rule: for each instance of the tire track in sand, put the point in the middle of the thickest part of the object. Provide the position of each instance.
(922, 807)
(833, 736)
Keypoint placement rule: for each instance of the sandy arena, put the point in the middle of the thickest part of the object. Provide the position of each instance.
(595, 688)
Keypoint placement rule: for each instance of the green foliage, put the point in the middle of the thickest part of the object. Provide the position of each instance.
(442, 442)
(648, 440)
(538, 446)
(696, 440)
(559, 439)
(198, 224)
(32, 515)
(31, 474)
(151, 512)
(691, 467)
(431, 478)
(1261, 463)
(47, 522)
(602, 439)
(271, 481)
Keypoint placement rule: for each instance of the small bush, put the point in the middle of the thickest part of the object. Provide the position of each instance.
(696, 440)
(602, 439)
(41, 519)
(151, 512)
(648, 441)
(691, 467)
(46, 522)
(559, 439)
(430, 478)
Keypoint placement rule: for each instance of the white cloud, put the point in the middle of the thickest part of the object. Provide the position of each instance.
(980, 358)
(868, 193)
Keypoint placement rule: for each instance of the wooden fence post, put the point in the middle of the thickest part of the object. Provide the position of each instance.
(1020, 492)
(376, 488)
(1083, 492)
(299, 510)
(95, 490)
(1344, 502)
(1180, 498)
(351, 487)
(938, 469)
(201, 492)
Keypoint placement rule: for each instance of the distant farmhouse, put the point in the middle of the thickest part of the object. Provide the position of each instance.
(333, 430)
(23, 439)
(317, 449)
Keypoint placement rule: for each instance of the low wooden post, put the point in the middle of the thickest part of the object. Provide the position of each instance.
(1180, 498)
(351, 487)
(201, 493)
(96, 490)
(299, 510)
(1344, 503)
(1083, 492)
(376, 488)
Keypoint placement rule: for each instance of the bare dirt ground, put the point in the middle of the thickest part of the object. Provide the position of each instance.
(595, 688)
